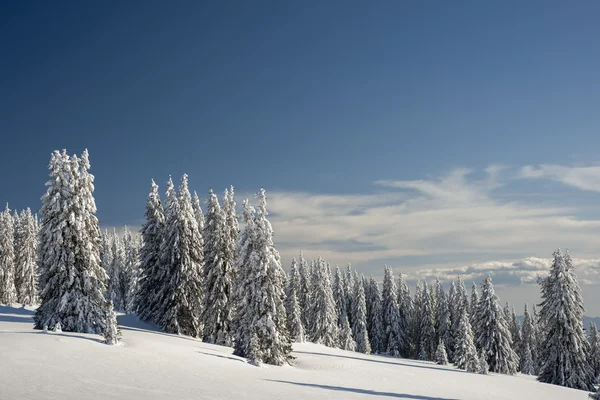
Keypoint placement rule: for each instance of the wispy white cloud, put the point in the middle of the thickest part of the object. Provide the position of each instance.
(584, 178)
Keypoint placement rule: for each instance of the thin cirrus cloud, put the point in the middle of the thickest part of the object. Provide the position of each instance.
(584, 178)
(430, 218)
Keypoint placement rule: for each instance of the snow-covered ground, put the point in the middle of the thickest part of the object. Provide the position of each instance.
(155, 365)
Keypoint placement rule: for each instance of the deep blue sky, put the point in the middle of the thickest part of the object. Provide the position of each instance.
(323, 97)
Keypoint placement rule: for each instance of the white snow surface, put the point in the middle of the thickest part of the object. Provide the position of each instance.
(153, 365)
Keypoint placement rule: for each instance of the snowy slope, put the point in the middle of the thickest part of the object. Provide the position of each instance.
(154, 365)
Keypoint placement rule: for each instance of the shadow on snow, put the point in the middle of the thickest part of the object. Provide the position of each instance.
(363, 391)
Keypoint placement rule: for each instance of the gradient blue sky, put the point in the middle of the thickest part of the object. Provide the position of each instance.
(319, 102)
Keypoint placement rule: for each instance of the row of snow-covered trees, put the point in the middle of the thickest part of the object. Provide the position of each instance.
(474, 333)
(18, 257)
(198, 274)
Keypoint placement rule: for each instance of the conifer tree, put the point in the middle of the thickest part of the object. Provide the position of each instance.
(72, 278)
(350, 295)
(181, 295)
(474, 303)
(395, 330)
(324, 329)
(218, 274)
(484, 368)
(528, 339)
(427, 327)
(415, 320)
(359, 312)
(594, 341)
(198, 212)
(527, 366)
(115, 272)
(130, 274)
(149, 256)
(112, 333)
(564, 355)
(292, 306)
(454, 310)
(263, 306)
(376, 330)
(440, 354)
(305, 292)
(443, 332)
(465, 353)
(515, 331)
(243, 317)
(340, 296)
(405, 310)
(8, 293)
(346, 339)
(492, 332)
(26, 259)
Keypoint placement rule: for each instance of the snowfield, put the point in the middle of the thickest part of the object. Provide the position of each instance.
(154, 365)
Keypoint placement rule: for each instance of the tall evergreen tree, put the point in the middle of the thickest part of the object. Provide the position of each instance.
(324, 329)
(564, 356)
(115, 272)
(149, 256)
(515, 331)
(8, 292)
(181, 295)
(427, 324)
(72, 278)
(359, 312)
(340, 296)
(304, 295)
(493, 334)
(528, 344)
(395, 338)
(594, 340)
(405, 310)
(350, 295)
(130, 274)
(415, 320)
(264, 309)
(465, 353)
(376, 330)
(474, 303)
(443, 316)
(198, 212)
(26, 259)
(218, 274)
(292, 306)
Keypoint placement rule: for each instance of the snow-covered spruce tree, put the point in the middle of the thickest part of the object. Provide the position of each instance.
(324, 329)
(465, 353)
(305, 291)
(493, 334)
(346, 339)
(443, 316)
(198, 212)
(359, 315)
(218, 275)
(564, 356)
(539, 335)
(72, 278)
(339, 295)
(594, 355)
(180, 297)
(415, 320)
(112, 333)
(130, 274)
(26, 259)
(350, 294)
(395, 329)
(441, 357)
(515, 331)
(528, 344)
(242, 323)
(527, 365)
(474, 302)
(376, 331)
(484, 368)
(427, 327)
(454, 311)
(292, 306)
(264, 293)
(8, 292)
(405, 310)
(149, 256)
(115, 272)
